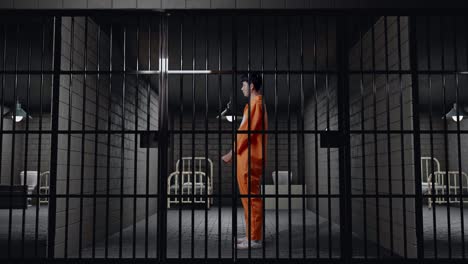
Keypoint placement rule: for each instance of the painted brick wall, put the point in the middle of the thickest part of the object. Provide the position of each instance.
(115, 108)
(321, 164)
(383, 167)
(321, 113)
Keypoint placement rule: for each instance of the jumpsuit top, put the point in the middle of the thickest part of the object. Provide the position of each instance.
(257, 140)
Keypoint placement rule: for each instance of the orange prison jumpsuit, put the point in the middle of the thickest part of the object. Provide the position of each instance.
(256, 164)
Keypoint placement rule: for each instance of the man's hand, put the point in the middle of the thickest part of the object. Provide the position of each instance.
(228, 157)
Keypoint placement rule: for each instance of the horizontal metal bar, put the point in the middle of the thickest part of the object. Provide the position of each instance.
(369, 260)
(215, 72)
(83, 196)
(202, 131)
(231, 195)
(330, 11)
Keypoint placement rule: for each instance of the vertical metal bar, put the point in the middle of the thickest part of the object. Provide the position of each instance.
(193, 176)
(363, 140)
(444, 95)
(328, 128)
(302, 140)
(460, 180)
(135, 164)
(317, 231)
(148, 116)
(389, 143)
(12, 170)
(234, 137)
(288, 77)
(403, 175)
(276, 139)
(2, 106)
(26, 143)
(416, 135)
(122, 140)
(39, 153)
(83, 126)
(207, 198)
(263, 138)
(56, 58)
(70, 100)
(344, 151)
(96, 126)
(181, 163)
(220, 203)
(376, 168)
(109, 126)
(428, 40)
(163, 133)
(249, 150)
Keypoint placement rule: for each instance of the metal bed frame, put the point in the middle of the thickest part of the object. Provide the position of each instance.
(181, 182)
(443, 181)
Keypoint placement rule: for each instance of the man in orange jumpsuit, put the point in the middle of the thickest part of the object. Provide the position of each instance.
(253, 147)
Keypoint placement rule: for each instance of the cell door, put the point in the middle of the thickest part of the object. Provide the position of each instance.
(209, 57)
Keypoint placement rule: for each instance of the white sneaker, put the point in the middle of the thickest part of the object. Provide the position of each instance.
(254, 244)
(242, 239)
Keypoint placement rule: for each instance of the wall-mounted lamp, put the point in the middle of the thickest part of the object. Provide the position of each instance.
(227, 114)
(456, 113)
(17, 113)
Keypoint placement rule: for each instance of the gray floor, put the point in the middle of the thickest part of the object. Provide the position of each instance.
(29, 242)
(219, 243)
(442, 231)
(223, 239)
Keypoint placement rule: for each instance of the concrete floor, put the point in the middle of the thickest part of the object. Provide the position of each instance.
(29, 242)
(219, 243)
(442, 231)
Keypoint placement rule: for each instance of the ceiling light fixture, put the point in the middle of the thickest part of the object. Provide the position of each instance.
(456, 113)
(17, 114)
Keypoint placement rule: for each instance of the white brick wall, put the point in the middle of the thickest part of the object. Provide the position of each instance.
(380, 175)
(105, 104)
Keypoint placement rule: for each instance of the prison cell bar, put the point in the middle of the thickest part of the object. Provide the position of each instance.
(317, 203)
(363, 139)
(3, 99)
(459, 141)
(327, 91)
(23, 223)
(276, 137)
(194, 52)
(403, 175)
(96, 125)
(288, 80)
(109, 103)
(39, 153)
(83, 126)
(249, 151)
(416, 135)
(220, 201)
(207, 199)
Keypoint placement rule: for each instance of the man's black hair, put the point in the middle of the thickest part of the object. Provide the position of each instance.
(255, 78)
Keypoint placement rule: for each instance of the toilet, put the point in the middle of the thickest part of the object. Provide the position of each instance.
(282, 177)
